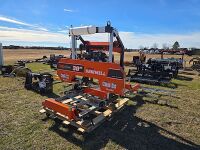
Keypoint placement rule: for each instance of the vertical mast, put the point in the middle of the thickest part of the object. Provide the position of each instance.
(1, 55)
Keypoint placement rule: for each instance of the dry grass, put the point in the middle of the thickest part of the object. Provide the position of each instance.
(11, 55)
(143, 124)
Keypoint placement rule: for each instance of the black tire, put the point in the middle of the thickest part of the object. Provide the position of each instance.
(42, 91)
(47, 115)
(28, 82)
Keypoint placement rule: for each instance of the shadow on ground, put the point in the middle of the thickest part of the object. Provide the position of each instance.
(52, 95)
(188, 73)
(127, 131)
(184, 78)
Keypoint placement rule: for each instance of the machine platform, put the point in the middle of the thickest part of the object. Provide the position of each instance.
(88, 123)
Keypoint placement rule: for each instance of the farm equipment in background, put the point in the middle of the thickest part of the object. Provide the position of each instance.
(39, 82)
(156, 71)
(54, 59)
(98, 87)
(44, 59)
(6, 70)
(18, 69)
(137, 60)
(195, 63)
(25, 61)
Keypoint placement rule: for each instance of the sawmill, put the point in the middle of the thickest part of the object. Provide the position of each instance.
(99, 87)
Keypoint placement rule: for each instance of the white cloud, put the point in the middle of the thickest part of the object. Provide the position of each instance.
(63, 31)
(14, 21)
(68, 10)
(135, 40)
(24, 35)
(130, 39)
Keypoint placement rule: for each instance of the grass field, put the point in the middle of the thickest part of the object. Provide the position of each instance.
(151, 121)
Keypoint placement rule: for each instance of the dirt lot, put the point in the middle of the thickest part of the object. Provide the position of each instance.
(11, 55)
(152, 121)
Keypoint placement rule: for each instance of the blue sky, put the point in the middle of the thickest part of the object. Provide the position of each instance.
(139, 22)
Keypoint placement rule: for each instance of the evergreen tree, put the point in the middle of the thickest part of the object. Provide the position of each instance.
(176, 45)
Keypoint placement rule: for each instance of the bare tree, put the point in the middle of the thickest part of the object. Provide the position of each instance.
(155, 46)
(141, 47)
(165, 46)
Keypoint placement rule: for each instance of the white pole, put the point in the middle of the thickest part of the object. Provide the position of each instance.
(73, 46)
(110, 47)
(1, 55)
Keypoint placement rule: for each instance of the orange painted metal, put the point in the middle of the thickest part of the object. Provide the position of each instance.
(96, 92)
(60, 108)
(111, 78)
(103, 46)
(69, 68)
(134, 88)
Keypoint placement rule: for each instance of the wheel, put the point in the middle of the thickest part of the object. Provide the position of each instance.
(47, 115)
(77, 87)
